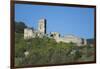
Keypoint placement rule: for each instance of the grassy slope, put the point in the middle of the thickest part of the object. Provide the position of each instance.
(47, 51)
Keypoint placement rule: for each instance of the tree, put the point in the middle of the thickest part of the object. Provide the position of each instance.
(19, 27)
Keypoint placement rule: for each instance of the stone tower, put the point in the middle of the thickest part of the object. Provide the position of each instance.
(42, 26)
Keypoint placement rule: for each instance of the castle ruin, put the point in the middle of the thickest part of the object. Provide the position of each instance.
(32, 33)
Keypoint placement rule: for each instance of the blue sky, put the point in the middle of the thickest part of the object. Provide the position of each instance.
(65, 20)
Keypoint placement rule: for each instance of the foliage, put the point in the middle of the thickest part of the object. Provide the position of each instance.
(90, 41)
(19, 27)
(47, 51)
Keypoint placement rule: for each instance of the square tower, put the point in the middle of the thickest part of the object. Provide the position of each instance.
(42, 26)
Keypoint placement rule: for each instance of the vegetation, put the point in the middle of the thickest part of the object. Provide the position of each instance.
(19, 27)
(90, 41)
(46, 51)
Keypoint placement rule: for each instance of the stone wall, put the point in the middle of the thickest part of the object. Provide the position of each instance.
(30, 33)
(68, 39)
